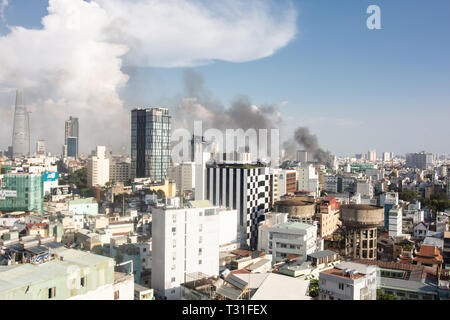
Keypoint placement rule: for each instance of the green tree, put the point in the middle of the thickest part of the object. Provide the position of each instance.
(408, 195)
(314, 288)
(385, 296)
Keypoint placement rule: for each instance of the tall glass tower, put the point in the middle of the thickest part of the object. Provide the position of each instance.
(72, 131)
(150, 143)
(21, 131)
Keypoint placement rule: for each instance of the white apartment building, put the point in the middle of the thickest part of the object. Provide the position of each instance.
(386, 156)
(184, 241)
(307, 179)
(284, 239)
(183, 175)
(372, 155)
(348, 281)
(271, 219)
(365, 188)
(245, 188)
(98, 168)
(395, 221)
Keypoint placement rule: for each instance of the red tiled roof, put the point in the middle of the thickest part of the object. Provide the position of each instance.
(428, 251)
(390, 265)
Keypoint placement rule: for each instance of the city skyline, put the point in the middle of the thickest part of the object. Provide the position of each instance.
(391, 75)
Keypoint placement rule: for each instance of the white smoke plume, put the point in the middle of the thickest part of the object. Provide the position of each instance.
(73, 64)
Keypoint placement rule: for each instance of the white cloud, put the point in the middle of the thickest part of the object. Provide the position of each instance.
(72, 66)
(185, 33)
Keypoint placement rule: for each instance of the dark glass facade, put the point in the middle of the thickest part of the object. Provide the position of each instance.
(150, 143)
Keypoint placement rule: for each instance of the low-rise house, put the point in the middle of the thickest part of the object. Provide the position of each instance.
(65, 274)
(348, 281)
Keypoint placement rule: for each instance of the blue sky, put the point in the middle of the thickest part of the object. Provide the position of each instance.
(355, 88)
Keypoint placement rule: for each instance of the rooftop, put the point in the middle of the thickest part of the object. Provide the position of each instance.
(294, 225)
(280, 287)
(83, 201)
(342, 274)
(201, 204)
(17, 276)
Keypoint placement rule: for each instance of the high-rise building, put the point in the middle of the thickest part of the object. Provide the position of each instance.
(72, 147)
(119, 171)
(98, 168)
(184, 176)
(419, 160)
(304, 156)
(372, 155)
(22, 192)
(386, 156)
(244, 187)
(185, 241)
(72, 131)
(307, 179)
(21, 131)
(150, 143)
(40, 147)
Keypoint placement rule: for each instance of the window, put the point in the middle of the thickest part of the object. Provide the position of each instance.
(173, 279)
(174, 229)
(341, 286)
(51, 292)
(174, 267)
(200, 251)
(83, 282)
(200, 240)
(116, 295)
(200, 228)
(199, 261)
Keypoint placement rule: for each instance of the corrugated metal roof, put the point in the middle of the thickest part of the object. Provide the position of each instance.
(228, 292)
(237, 282)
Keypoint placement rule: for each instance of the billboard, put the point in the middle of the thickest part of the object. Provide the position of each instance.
(61, 190)
(50, 176)
(7, 194)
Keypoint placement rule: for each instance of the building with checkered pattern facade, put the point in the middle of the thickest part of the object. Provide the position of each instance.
(244, 187)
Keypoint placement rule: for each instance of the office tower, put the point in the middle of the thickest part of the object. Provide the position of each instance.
(40, 147)
(72, 147)
(372, 155)
(98, 168)
(185, 241)
(184, 176)
(21, 131)
(22, 192)
(150, 143)
(72, 131)
(304, 156)
(386, 156)
(245, 187)
(419, 160)
(119, 171)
